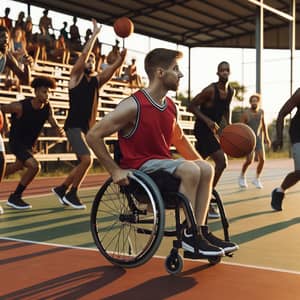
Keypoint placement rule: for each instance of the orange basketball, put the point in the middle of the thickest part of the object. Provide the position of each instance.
(1, 120)
(123, 27)
(237, 140)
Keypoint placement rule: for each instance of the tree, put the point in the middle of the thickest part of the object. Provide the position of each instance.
(239, 90)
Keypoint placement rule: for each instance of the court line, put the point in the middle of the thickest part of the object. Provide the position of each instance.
(155, 256)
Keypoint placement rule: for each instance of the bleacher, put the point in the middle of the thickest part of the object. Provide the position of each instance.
(53, 148)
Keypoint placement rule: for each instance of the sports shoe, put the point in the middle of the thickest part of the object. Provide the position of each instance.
(257, 183)
(1, 210)
(213, 211)
(228, 247)
(190, 243)
(60, 193)
(17, 202)
(243, 182)
(72, 199)
(276, 202)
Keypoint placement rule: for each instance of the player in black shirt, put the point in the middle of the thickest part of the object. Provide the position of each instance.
(84, 86)
(293, 177)
(211, 106)
(27, 120)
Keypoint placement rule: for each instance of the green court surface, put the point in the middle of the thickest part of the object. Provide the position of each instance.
(266, 238)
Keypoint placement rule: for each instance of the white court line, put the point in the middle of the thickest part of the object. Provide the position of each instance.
(155, 256)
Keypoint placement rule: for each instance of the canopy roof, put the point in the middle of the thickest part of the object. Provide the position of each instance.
(193, 23)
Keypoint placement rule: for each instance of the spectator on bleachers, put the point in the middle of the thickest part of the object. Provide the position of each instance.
(60, 52)
(20, 21)
(112, 56)
(132, 76)
(64, 33)
(18, 43)
(103, 64)
(6, 21)
(33, 48)
(46, 39)
(75, 41)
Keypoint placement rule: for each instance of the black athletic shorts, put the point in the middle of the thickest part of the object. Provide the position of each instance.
(206, 143)
(21, 151)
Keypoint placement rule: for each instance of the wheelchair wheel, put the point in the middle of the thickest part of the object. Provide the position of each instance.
(127, 222)
(174, 264)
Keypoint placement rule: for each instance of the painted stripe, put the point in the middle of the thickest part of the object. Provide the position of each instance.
(155, 256)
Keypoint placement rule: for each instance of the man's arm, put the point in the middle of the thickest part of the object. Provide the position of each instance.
(265, 129)
(123, 116)
(78, 68)
(183, 145)
(286, 109)
(203, 97)
(109, 71)
(54, 124)
(24, 76)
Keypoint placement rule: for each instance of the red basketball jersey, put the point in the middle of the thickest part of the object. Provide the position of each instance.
(152, 134)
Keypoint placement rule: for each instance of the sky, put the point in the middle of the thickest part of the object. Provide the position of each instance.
(275, 63)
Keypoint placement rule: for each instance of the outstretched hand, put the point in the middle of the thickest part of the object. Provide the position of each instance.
(96, 28)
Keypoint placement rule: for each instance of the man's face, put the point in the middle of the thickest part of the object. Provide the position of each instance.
(172, 76)
(223, 72)
(42, 94)
(4, 40)
(254, 103)
(90, 65)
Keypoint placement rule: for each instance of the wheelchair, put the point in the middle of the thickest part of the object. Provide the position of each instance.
(128, 222)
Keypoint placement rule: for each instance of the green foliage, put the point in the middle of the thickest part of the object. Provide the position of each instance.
(239, 90)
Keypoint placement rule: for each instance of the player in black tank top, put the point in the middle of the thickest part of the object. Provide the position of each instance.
(27, 121)
(293, 177)
(84, 86)
(7, 61)
(211, 106)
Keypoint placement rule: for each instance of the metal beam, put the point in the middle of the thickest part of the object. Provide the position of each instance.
(272, 9)
(259, 41)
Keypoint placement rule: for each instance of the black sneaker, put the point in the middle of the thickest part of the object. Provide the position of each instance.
(17, 202)
(276, 202)
(228, 247)
(72, 199)
(60, 193)
(191, 243)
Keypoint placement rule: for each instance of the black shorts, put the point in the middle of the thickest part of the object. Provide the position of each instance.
(206, 143)
(21, 151)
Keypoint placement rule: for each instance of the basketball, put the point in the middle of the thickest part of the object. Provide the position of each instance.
(237, 140)
(123, 27)
(1, 120)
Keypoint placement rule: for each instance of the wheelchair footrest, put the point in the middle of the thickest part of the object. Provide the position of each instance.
(188, 254)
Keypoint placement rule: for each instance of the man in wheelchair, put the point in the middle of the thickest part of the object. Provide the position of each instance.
(147, 126)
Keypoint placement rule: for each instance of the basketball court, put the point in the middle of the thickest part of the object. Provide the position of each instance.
(48, 252)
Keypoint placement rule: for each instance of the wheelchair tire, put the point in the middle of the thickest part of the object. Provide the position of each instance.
(125, 229)
(174, 264)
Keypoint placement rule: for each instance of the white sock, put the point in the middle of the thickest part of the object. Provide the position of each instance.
(280, 190)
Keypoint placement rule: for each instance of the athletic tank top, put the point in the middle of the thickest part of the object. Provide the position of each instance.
(83, 104)
(27, 128)
(215, 111)
(151, 136)
(294, 130)
(254, 120)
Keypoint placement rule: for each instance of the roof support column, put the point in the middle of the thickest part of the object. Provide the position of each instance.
(292, 41)
(259, 44)
(189, 75)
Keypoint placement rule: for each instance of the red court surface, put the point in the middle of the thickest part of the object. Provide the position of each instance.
(31, 271)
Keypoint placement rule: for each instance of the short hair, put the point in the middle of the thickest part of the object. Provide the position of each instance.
(221, 63)
(256, 95)
(160, 57)
(43, 81)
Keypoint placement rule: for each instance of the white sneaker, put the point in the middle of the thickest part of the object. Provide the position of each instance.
(243, 182)
(213, 211)
(257, 183)
(1, 210)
